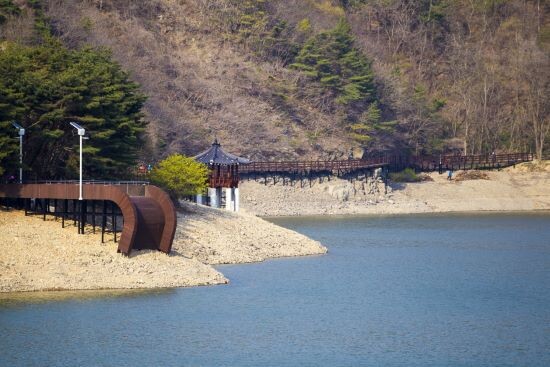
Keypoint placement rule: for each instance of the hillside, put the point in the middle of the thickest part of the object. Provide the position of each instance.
(317, 78)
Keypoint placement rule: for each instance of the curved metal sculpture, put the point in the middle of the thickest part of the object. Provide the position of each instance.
(149, 220)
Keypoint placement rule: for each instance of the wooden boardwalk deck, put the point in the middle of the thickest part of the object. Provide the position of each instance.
(459, 162)
(394, 163)
(337, 167)
(149, 217)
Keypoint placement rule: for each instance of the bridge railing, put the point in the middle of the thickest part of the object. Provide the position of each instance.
(89, 182)
(455, 162)
(313, 166)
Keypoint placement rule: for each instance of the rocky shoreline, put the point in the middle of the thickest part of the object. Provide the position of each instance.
(525, 187)
(37, 255)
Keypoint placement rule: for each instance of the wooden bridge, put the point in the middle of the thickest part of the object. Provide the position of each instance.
(148, 215)
(394, 163)
(458, 162)
(336, 167)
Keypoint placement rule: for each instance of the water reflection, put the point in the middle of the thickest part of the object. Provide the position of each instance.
(18, 299)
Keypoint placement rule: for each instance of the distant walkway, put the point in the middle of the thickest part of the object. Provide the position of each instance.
(458, 162)
(148, 215)
(393, 163)
(337, 168)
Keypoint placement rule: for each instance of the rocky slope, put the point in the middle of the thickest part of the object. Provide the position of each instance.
(40, 255)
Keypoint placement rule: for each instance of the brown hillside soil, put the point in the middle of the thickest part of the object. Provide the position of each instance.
(199, 85)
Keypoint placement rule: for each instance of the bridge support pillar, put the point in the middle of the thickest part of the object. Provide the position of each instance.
(229, 199)
(237, 199)
(214, 194)
(200, 199)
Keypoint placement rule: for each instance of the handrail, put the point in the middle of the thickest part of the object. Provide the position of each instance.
(88, 182)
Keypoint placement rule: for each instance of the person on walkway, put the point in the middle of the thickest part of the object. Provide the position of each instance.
(450, 174)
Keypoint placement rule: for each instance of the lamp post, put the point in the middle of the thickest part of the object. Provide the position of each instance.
(81, 133)
(21, 134)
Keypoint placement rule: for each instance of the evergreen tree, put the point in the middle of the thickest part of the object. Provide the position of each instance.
(331, 59)
(8, 8)
(371, 127)
(48, 86)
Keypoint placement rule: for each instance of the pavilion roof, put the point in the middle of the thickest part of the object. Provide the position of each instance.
(216, 155)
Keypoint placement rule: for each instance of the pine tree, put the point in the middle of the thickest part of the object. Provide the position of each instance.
(331, 59)
(48, 86)
(8, 8)
(370, 126)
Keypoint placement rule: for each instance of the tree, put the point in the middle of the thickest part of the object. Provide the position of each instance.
(370, 128)
(46, 87)
(8, 8)
(331, 59)
(180, 176)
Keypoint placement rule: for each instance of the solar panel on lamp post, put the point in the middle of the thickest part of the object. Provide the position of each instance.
(81, 131)
(21, 134)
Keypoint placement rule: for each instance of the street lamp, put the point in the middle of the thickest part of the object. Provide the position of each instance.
(21, 133)
(81, 133)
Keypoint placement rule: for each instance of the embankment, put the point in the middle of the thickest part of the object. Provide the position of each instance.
(520, 188)
(40, 255)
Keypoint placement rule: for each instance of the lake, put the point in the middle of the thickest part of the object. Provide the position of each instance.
(419, 290)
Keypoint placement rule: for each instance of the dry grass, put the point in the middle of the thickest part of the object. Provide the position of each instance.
(471, 175)
(200, 84)
(535, 166)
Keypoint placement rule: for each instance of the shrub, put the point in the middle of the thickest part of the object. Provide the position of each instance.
(180, 176)
(407, 175)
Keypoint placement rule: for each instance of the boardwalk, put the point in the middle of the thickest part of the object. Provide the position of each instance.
(394, 163)
(149, 217)
(459, 162)
(338, 168)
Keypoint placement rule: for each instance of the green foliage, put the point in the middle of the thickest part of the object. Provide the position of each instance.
(331, 59)
(433, 11)
(269, 38)
(304, 25)
(370, 126)
(543, 38)
(180, 176)
(407, 175)
(8, 8)
(46, 87)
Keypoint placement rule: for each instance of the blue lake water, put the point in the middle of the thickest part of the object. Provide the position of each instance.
(423, 290)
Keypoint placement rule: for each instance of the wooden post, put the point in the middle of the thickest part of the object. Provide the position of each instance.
(74, 212)
(65, 212)
(93, 216)
(113, 219)
(103, 221)
(83, 207)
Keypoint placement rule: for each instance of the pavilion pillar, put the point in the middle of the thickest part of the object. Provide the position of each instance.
(200, 199)
(214, 197)
(237, 199)
(229, 201)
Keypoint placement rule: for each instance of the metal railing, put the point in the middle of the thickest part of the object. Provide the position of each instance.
(88, 182)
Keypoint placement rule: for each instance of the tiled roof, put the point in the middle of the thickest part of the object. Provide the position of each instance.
(216, 155)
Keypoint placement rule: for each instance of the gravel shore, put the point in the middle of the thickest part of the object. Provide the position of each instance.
(40, 255)
(525, 187)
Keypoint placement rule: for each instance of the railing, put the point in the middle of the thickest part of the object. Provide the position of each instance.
(457, 162)
(223, 181)
(420, 163)
(313, 166)
(88, 182)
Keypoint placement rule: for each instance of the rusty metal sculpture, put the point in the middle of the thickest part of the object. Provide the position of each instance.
(149, 216)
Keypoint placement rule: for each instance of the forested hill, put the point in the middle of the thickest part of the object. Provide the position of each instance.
(279, 79)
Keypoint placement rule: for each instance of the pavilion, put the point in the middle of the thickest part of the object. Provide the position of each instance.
(224, 173)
